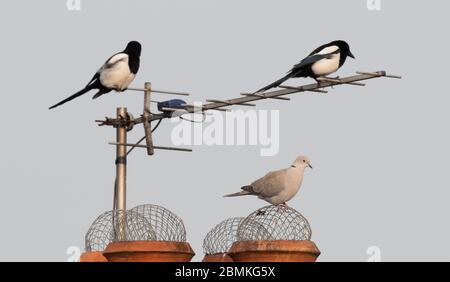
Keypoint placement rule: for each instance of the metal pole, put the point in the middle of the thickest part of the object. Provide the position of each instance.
(121, 174)
(146, 114)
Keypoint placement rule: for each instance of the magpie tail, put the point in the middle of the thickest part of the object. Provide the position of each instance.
(275, 84)
(100, 93)
(79, 93)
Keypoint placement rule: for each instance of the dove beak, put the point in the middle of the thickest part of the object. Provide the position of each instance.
(310, 166)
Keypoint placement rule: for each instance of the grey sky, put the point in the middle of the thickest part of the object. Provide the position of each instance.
(380, 153)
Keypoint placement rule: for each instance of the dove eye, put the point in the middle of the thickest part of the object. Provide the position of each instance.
(304, 161)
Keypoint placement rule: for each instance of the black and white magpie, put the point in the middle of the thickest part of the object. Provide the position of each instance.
(116, 73)
(323, 61)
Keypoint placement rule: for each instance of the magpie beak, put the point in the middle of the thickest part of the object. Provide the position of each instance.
(351, 55)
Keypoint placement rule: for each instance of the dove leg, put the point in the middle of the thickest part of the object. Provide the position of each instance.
(282, 207)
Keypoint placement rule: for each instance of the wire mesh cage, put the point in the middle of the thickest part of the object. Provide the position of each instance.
(222, 236)
(118, 225)
(274, 223)
(167, 225)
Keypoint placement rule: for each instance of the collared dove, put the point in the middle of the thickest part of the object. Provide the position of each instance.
(277, 187)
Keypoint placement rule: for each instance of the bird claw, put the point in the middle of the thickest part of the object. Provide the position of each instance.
(282, 207)
(337, 78)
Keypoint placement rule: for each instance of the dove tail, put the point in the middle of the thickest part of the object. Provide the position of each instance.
(246, 190)
(242, 193)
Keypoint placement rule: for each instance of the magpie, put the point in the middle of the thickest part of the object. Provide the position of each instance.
(323, 61)
(115, 74)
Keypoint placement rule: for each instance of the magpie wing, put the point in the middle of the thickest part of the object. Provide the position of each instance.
(110, 63)
(308, 61)
(114, 60)
(96, 76)
(324, 49)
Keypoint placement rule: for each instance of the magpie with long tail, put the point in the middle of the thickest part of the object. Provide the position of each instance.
(116, 73)
(323, 61)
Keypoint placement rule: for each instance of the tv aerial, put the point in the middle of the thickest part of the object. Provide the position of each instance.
(125, 121)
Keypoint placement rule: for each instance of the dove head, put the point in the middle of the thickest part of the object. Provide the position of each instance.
(301, 162)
